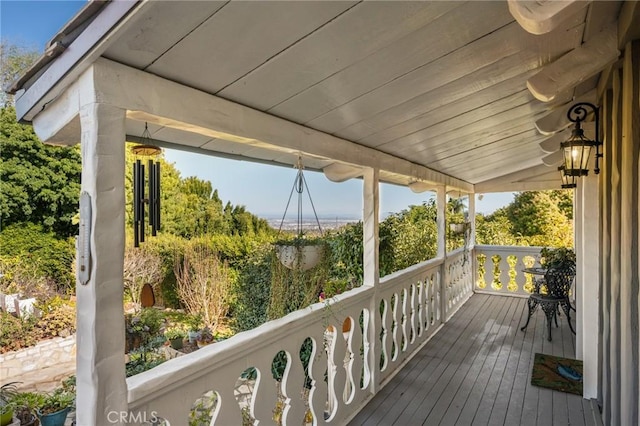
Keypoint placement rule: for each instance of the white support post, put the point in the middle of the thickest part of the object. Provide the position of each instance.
(441, 207)
(100, 374)
(472, 219)
(587, 246)
(371, 214)
(370, 228)
(472, 240)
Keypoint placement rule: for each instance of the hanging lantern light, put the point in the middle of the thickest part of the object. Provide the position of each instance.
(577, 149)
(568, 180)
(144, 206)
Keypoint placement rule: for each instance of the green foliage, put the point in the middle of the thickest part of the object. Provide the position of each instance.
(56, 401)
(252, 290)
(8, 392)
(293, 289)
(347, 253)
(408, 237)
(150, 321)
(175, 333)
(560, 257)
(29, 401)
(494, 229)
(334, 287)
(202, 411)
(22, 276)
(38, 183)
(58, 317)
(191, 208)
(538, 219)
(143, 359)
(40, 252)
(17, 333)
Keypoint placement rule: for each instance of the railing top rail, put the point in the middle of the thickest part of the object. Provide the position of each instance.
(511, 249)
(414, 271)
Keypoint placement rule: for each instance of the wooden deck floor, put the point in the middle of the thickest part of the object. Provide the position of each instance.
(476, 371)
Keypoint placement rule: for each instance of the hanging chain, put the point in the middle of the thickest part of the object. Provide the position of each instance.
(299, 185)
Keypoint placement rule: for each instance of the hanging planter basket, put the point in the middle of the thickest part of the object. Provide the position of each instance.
(299, 255)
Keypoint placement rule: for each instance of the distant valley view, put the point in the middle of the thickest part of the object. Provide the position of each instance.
(309, 223)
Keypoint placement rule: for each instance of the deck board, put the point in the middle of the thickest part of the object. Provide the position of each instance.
(476, 371)
(390, 396)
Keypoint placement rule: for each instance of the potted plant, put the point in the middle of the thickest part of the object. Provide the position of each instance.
(8, 392)
(25, 405)
(54, 407)
(175, 336)
(561, 257)
(205, 337)
(300, 253)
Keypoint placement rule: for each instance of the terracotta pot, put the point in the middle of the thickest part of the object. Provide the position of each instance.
(305, 257)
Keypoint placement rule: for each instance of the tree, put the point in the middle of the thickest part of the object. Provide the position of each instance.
(537, 218)
(14, 60)
(494, 229)
(408, 237)
(204, 284)
(38, 183)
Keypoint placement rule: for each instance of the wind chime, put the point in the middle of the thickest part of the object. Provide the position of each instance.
(146, 189)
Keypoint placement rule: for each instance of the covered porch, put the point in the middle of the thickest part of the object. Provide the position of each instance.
(442, 96)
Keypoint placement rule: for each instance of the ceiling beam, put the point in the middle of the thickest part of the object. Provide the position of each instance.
(554, 159)
(576, 66)
(543, 16)
(535, 178)
(338, 172)
(170, 104)
(557, 119)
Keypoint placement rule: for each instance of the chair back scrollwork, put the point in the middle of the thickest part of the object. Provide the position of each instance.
(559, 280)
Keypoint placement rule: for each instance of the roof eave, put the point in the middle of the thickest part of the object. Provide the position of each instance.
(71, 51)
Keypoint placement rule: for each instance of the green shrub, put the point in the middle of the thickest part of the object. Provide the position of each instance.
(17, 333)
(252, 291)
(57, 400)
(142, 360)
(58, 317)
(52, 256)
(347, 253)
(20, 275)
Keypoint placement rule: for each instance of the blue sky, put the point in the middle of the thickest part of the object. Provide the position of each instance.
(262, 189)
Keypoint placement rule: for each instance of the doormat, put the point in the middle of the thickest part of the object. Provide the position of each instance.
(561, 374)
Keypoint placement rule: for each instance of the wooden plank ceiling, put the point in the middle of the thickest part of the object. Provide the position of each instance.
(442, 84)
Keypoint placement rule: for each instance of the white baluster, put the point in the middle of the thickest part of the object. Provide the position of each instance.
(340, 378)
(413, 312)
(386, 334)
(264, 394)
(319, 389)
(404, 318)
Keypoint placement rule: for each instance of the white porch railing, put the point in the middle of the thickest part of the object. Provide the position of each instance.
(358, 341)
(499, 269)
